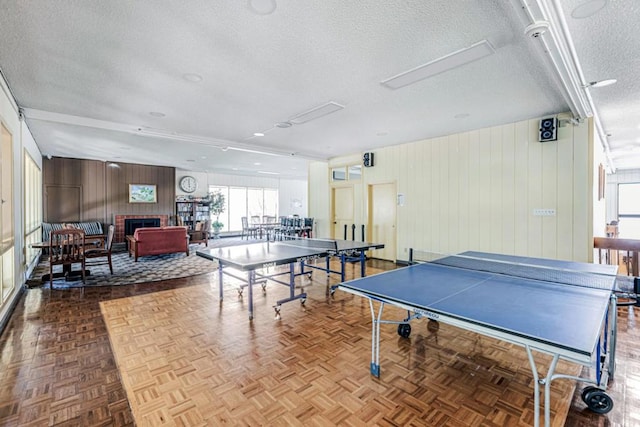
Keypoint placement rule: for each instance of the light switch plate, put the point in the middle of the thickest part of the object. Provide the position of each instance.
(544, 212)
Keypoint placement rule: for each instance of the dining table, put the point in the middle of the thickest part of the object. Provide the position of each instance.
(67, 272)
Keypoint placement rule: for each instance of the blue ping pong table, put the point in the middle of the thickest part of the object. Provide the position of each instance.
(255, 258)
(565, 309)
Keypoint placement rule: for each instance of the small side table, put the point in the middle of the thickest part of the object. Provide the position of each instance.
(131, 243)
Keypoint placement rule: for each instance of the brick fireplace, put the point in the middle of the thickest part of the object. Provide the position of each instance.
(119, 221)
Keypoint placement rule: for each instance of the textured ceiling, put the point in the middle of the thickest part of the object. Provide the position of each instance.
(91, 74)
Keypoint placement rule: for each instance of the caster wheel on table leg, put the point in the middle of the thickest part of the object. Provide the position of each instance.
(404, 330)
(599, 401)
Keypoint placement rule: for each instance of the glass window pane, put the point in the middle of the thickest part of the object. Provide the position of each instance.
(270, 202)
(6, 189)
(224, 216)
(237, 203)
(338, 174)
(355, 172)
(255, 202)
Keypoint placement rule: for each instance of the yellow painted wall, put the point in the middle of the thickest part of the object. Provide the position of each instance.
(477, 191)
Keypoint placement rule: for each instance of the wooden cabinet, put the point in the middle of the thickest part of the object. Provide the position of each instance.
(192, 212)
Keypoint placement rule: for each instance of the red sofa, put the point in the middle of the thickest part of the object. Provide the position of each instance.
(158, 240)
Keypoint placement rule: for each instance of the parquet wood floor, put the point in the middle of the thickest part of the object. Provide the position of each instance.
(185, 358)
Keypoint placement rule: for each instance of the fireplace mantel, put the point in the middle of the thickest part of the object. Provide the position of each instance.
(119, 221)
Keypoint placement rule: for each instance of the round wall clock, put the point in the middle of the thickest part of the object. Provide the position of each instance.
(188, 184)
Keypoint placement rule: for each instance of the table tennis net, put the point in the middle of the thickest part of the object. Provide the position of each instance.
(519, 270)
(327, 244)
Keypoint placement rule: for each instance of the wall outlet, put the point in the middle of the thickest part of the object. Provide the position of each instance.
(544, 212)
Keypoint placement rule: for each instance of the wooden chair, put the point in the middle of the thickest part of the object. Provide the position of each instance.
(248, 230)
(201, 233)
(268, 226)
(101, 255)
(66, 247)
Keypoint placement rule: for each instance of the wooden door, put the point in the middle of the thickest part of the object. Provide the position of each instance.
(342, 211)
(382, 220)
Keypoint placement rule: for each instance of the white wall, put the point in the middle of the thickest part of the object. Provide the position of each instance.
(22, 139)
(477, 191)
(319, 198)
(599, 205)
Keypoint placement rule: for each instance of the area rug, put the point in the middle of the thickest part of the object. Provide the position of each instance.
(127, 272)
(147, 269)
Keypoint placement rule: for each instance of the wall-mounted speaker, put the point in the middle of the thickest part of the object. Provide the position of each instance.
(548, 129)
(367, 160)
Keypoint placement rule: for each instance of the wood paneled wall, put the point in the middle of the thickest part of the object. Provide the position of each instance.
(105, 189)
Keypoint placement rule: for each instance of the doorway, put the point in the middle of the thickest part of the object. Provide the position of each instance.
(342, 207)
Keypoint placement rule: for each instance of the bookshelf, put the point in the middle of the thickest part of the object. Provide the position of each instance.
(192, 212)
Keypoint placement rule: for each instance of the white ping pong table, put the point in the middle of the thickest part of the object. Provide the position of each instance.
(565, 309)
(255, 259)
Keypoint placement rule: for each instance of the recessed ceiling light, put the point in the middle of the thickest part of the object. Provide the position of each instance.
(258, 134)
(257, 164)
(269, 173)
(190, 160)
(283, 125)
(588, 8)
(262, 7)
(203, 157)
(461, 116)
(192, 77)
(382, 133)
(156, 114)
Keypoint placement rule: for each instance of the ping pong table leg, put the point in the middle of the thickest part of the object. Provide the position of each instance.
(252, 279)
(220, 278)
(328, 260)
(536, 388)
(612, 332)
(343, 263)
(363, 265)
(547, 388)
(375, 339)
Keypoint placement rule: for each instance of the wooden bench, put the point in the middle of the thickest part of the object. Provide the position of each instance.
(608, 249)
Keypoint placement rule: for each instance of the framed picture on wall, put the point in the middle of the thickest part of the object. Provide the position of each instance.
(143, 193)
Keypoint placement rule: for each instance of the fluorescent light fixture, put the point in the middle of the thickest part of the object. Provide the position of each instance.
(314, 113)
(601, 83)
(269, 173)
(211, 142)
(448, 62)
(249, 150)
(180, 137)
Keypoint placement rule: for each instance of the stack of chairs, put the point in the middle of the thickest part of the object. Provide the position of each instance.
(293, 227)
